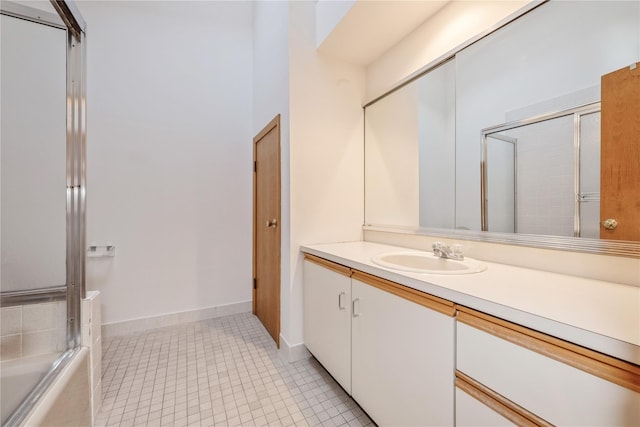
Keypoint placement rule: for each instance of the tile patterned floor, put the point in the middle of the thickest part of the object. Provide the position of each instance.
(218, 372)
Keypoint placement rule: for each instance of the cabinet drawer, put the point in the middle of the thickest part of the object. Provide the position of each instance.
(471, 412)
(562, 385)
(478, 405)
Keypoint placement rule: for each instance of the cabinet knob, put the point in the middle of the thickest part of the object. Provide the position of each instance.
(610, 224)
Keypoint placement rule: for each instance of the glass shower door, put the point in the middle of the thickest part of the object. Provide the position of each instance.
(33, 204)
(589, 197)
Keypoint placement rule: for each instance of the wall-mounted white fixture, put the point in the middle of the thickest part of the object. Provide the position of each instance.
(94, 251)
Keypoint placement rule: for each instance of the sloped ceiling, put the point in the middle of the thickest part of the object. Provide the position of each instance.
(371, 27)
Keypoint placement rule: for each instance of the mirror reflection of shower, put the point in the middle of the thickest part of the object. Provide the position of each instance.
(527, 187)
(501, 179)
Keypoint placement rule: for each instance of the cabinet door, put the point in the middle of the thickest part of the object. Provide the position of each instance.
(402, 359)
(327, 319)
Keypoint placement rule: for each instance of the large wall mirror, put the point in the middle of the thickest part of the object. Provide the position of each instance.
(503, 137)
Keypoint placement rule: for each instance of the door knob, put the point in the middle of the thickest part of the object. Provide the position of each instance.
(272, 223)
(610, 224)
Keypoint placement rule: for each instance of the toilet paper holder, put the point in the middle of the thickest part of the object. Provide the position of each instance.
(107, 250)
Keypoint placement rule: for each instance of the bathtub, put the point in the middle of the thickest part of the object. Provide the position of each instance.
(19, 377)
(60, 395)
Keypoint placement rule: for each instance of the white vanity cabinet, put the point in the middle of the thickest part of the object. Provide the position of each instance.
(412, 359)
(533, 379)
(402, 346)
(327, 316)
(389, 346)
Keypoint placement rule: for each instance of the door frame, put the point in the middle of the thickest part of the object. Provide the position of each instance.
(273, 124)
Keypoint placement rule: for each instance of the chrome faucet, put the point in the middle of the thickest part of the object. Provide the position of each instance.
(448, 252)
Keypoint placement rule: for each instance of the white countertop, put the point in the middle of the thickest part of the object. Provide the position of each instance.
(598, 315)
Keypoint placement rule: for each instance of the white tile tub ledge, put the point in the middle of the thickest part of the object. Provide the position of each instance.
(92, 340)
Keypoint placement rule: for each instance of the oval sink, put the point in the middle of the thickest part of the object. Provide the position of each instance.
(420, 262)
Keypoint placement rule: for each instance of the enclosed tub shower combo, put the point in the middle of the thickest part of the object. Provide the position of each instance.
(44, 368)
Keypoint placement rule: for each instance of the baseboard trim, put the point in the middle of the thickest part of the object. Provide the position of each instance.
(128, 327)
(292, 353)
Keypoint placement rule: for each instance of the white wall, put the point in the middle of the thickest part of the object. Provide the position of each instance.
(453, 25)
(271, 68)
(329, 13)
(327, 143)
(169, 154)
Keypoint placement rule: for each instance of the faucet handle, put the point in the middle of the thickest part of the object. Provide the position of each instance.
(457, 251)
(437, 248)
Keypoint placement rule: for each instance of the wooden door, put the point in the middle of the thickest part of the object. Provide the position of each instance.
(620, 154)
(266, 228)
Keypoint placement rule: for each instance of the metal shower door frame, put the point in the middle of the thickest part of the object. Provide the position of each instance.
(69, 19)
(577, 113)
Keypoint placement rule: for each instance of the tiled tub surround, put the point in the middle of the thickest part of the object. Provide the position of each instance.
(66, 401)
(598, 315)
(92, 339)
(33, 329)
(33, 338)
